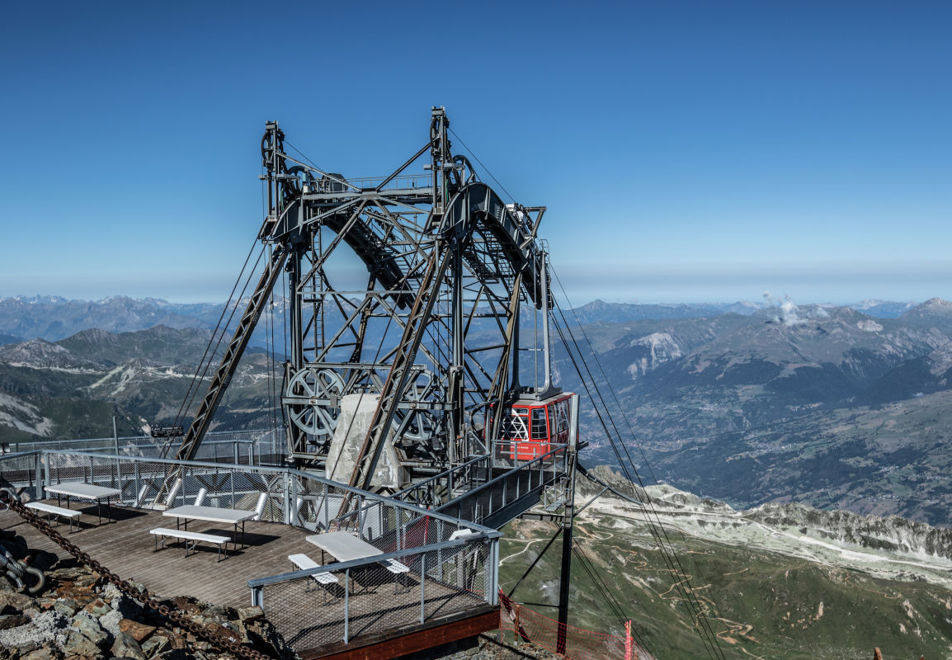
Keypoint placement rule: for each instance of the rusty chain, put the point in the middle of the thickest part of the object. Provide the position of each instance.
(216, 638)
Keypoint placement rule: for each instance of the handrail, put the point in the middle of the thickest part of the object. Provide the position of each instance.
(373, 559)
(367, 495)
(20, 454)
(504, 475)
(397, 503)
(442, 475)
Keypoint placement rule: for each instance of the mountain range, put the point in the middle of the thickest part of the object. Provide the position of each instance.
(73, 387)
(839, 407)
(824, 404)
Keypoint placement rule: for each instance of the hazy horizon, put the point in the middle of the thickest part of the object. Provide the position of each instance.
(760, 301)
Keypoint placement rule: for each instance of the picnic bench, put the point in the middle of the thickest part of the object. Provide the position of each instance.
(344, 546)
(186, 536)
(82, 490)
(55, 511)
(236, 517)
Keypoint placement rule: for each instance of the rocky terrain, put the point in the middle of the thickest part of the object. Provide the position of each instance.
(778, 581)
(79, 615)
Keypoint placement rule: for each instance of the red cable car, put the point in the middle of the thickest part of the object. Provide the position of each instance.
(534, 425)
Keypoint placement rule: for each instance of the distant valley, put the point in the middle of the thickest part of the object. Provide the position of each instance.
(847, 407)
(827, 405)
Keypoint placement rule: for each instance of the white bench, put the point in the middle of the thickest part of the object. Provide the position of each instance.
(396, 568)
(304, 563)
(55, 510)
(194, 537)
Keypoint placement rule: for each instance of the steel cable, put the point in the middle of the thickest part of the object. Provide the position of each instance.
(695, 604)
(655, 527)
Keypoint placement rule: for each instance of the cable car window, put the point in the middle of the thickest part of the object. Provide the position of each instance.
(514, 425)
(561, 417)
(539, 430)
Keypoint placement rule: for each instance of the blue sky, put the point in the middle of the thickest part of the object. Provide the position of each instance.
(687, 151)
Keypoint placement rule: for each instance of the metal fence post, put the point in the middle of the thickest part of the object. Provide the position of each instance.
(38, 490)
(326, 506)
(439, 553)
(399, 513)
(360, 523)
(422, 587)
(346, 605)
(293, 498)
(138, 485)
(492, 573)
(287, 497)
(184, 489)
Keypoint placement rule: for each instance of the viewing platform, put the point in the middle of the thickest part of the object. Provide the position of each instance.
(444, 589)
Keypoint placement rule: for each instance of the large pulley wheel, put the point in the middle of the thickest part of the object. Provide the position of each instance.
(419, 426)
(312, 400)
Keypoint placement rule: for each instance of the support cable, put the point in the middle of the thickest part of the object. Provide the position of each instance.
(196, 378)
(221, 337)
(664, 545)
(606, 593)
(694, 604)
(481, 164)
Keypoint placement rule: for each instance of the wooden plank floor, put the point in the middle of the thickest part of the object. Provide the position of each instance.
(307, 618)
(123, 544)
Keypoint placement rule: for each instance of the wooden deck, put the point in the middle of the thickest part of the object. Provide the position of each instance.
(123, 544)
(309, 617)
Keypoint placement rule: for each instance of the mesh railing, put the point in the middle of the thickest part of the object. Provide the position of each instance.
(442, 486)
(248, 447)
(19, 470)
(341, 602)
(139, 480)
(427, 565)
(450, 563)
(490, 500)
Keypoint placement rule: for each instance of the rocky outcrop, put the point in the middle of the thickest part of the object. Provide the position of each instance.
(82, 616)
(890, 533)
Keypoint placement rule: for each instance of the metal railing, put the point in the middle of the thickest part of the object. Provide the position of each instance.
(432, 490)
(444, 564)
(491, 502)
(446, 574)
(253, 447)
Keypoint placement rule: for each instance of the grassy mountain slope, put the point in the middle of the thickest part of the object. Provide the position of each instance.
(763, 598)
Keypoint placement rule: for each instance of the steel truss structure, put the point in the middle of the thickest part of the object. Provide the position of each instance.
(431, 343)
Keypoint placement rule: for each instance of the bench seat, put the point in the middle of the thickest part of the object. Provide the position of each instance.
(52, 509)
(194, 537)
(304, 563)
(394, 566)
(397, 569)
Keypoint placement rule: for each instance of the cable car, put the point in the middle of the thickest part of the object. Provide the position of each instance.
(534, 425)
